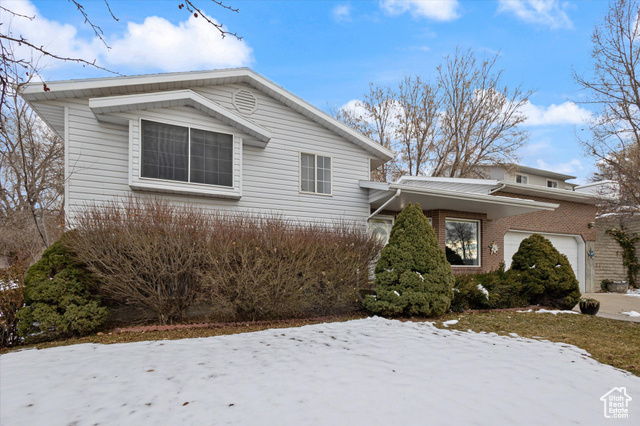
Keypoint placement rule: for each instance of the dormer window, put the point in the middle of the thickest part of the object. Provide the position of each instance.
(523, 179)
(552, 184)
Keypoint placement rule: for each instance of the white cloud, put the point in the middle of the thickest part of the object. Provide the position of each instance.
(565, 113)
(155, 44)
(571, 167)
(437, 10)
(342, 13)
(549, 13)
(54, 37)
(190, 45)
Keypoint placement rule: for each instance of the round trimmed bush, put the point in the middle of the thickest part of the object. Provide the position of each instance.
(412, 274)
(59, 298)
(546, 275)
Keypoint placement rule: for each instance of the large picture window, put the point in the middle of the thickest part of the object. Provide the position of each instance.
(462, 238)
(315, 174)
(186, 155)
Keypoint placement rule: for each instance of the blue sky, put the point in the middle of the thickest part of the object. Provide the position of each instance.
(327, 52)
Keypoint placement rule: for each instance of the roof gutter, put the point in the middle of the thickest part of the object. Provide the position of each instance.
(396, 195)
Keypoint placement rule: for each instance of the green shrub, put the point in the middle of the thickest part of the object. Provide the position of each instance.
(59, 298)
(546, 275)
(412, 274)
(11, 300)
(492, 290)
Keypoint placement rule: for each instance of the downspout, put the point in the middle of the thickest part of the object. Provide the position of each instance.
(385, 204)
(497, 189)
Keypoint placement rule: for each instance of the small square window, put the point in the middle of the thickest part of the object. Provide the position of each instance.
(315, 174)
(522, 179)
(552, 184)
(462, 241)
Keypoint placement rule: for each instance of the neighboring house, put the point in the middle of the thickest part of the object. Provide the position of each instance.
(232, 140)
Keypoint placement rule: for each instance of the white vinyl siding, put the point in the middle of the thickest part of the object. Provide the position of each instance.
(266, 180)
(315, 174)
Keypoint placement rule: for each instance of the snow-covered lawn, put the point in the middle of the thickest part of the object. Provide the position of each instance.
(364, 372)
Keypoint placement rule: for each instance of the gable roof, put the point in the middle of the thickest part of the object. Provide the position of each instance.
(115, 86)
(103, 108)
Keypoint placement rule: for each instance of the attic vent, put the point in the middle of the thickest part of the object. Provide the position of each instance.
(245, 101)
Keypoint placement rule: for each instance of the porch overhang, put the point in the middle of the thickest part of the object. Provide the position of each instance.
(495, 207)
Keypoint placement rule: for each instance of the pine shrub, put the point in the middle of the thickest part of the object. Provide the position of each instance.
(11, 300)
(545, 274)
(412, 274)
(490, 290)
(59, 297)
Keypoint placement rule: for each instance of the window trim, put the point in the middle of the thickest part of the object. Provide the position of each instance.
(187, 182)
(479, 249)
(524, 175)
(554, 181)
(315, 162)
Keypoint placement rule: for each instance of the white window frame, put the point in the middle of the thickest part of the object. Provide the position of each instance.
(188, 181)
(384, 218)
(523, 175)
(315, 168)
(479, 248)
(140, 183)
(553, 181)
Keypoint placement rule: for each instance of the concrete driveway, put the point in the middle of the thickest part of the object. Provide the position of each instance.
(613, 304)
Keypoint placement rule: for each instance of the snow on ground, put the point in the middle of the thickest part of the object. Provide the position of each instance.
(632, 313)
(633, 292)
(549, 311)
(364, 372)
(555, 311)
(450, 322)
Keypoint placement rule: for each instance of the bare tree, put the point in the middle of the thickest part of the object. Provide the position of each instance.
(417, 130)
(26, 65)
(375, 117)
(614, 87)
(466, 119)
(480, 117)
(31, 179)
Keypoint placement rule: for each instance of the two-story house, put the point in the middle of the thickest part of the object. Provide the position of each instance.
(232, 140)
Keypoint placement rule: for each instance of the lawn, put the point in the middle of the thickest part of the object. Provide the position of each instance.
(364, 371)
(609, 341)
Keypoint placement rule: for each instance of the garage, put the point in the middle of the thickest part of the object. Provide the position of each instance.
(570, 245)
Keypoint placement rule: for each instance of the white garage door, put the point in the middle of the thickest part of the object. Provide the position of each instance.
(565, 244)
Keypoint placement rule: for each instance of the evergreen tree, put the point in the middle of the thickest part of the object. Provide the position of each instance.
(413, 276)
(546, 275)
(59, 298)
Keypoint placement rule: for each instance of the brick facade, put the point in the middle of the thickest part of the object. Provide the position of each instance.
(569, 218)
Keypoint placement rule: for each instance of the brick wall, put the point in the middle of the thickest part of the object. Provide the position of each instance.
(608, 258)
(568, 218)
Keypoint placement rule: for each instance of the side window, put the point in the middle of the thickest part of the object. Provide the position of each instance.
(315, 174)
(522, 179)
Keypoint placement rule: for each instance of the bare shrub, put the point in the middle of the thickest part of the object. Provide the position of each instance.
(146, 253)
(267, 267)
(165, 258)
(11, 300)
